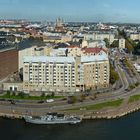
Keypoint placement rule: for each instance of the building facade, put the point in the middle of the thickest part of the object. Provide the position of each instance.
(135, 36)
(121, 43)
(49, 73)
(100, 36)
(32, 51)
(65, 74)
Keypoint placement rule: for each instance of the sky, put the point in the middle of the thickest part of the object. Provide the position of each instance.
(72, 10)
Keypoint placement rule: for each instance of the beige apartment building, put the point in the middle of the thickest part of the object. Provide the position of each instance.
(49, 73)
(65, 74)
(25, 52)
(135, 36)
(32, 51)
(122, 43)
(100, 36)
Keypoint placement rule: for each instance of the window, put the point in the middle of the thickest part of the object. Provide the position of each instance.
(11, 88)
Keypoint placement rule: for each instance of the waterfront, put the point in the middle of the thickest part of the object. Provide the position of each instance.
(125, 128)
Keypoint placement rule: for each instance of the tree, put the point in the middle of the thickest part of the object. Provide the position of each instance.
(53, 94)
(122, 34)
(21, 94)
(43, 94)
(8, 94)
(80, 41)
(95, 95)
(72, 99)
(137, 49)
(82, 98)
(13, 94)
(113, 75)
(107, 43)
(115, 44)
(129, 46)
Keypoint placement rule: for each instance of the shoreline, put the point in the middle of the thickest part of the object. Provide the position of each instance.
(109, 114)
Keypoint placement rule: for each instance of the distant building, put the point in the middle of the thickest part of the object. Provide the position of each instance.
(122, 43)
(100, 36)
(59, 27)
(135, 36)
(93, 43)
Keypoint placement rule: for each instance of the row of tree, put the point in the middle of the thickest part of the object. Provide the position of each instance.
(130, 45)
(113, 75)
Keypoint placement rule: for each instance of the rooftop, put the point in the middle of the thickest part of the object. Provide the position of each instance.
(48, 59)
(94, 58)
(95, 50)
(84, 59)
(73, 46)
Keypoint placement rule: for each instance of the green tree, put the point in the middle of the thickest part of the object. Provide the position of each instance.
(8, 94)
(113, 75)
(21, 94)
(80, 41)
(137, 49)
(129, 46)
(115, 44)
(53, 94)
(107, 42)
(82, 98)
(13, 94)
(43, 94)
(72, 99)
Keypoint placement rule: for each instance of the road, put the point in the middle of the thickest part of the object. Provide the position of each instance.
(35, 108)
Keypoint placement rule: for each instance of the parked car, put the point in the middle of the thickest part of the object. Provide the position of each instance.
(41, 101)
(49, 100)
(13, 102)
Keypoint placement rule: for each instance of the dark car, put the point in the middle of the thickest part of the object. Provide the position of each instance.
(40, 102)
(13, 102)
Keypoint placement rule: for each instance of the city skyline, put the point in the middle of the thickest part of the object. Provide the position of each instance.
(89, 11)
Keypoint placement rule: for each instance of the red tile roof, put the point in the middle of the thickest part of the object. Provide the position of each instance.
(95, 50)
(73, 46)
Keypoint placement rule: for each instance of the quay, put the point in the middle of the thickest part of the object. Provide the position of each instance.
(108, 113)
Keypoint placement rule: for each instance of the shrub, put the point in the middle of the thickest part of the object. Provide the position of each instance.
(72, 99)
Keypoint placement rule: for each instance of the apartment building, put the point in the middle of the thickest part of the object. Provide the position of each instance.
(95, 71)
(122, 43)
(93, 43)
(45, 73)
(100, 36)
(135, 36)
(68, 74)
(32, 51)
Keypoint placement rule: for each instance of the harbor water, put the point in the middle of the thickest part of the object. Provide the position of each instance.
(126, 128)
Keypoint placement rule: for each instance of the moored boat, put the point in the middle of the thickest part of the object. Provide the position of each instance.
(52, 118)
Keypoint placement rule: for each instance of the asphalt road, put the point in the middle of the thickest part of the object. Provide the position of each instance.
(36, 108)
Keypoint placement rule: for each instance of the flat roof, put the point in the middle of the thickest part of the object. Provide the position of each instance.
(62, 59)
(94, 58)
(48, 59)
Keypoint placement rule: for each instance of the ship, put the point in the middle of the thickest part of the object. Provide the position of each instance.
(52, 118)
